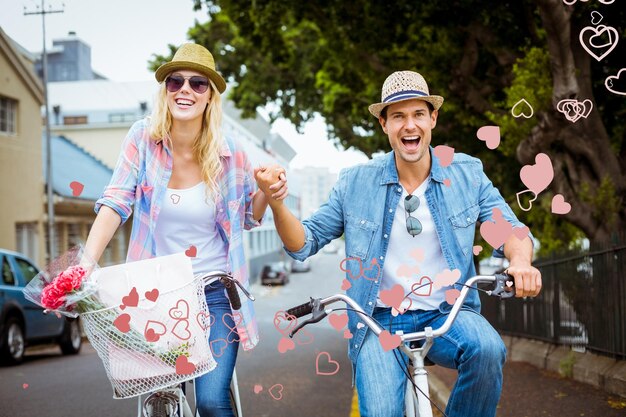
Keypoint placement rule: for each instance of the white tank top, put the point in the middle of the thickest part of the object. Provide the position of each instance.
(187, 220)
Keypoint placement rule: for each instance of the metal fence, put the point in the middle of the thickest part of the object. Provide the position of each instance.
(582, 303)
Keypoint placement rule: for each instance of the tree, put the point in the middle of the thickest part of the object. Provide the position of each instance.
(331, 57)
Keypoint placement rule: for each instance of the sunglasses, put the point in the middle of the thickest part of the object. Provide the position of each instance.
(199, 84)
(413, 225)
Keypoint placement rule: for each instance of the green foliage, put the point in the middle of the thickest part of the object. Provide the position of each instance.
(604, 200)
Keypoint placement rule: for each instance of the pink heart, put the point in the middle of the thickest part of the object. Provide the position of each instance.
(347, 334)
(276, 391)
(490, 135)
(122, 322)
(574, 109)
(205, 320)
(496, 233)
(537, 177)
(389, 341)
(521, 232)
(447, 182)
(285, 344)
(154, 330)
(452, 295)
(408, 271)
(24, 386)
(77, 188)
(393, 297)
(180, 311)
(338, 321)
(346, 285)
(303, 337)
(446, 278)
(181, 330)
(445, 154)
(477, 249)
(183, 366)
(423, 288)
(192, 251)
(132, 299)
(258, 388)
(284, 322)
(152, 295)
(218, 346)
(559, 205)
(334, 364)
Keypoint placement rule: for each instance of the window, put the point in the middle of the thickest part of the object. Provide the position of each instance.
(75, 120)
(28, 271)
(122, 117)
(8, 115)
(7, 274)
(27, 239)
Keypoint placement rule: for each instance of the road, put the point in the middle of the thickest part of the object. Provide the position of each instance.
(50, 384)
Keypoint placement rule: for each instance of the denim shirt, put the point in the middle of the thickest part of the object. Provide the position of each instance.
(362, 205)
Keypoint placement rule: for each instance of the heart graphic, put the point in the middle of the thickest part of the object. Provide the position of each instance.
(559, 205)
(537, 177)
(338, 321)
(276, 391)
(181, 330)
(122, 322)
(452, 295)
(496, 233)
(77, 188)
(183, 366)
(392, 297)
(389, 341)
(445, 154)
(258, 388)
(509, 284)
(303, 337)
(447, 182)
(521, 232)
(417, 254)
(611, 83)
(598, 34)
(346, 285)
(285, 344)
(490, 135)
(423, 288)
(530, 202)
(334, 364)
(132, 299)
(347, 334)
(477, 249)
(360, 325)
(408, 271)
(522, 109)
(175, 198)
(284, 322)
(218, 346)
(154, 330)
(236, 319)
(574, 109)
(191, 252)
(596, 17)
(152, 295)
(446, 278)
(24, 386)
(180, 311)
(205, 320)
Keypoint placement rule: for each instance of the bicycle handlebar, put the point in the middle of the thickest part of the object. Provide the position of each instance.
(503, 288)
(230, 284)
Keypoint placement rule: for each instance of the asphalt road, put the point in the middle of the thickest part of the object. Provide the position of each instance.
(287, 384)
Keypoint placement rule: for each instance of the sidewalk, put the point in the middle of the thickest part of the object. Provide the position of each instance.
(530, 392)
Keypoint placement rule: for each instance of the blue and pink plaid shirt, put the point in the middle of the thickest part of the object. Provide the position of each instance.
(140, 179)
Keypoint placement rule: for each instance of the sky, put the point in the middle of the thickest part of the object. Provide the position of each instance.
(123, 35)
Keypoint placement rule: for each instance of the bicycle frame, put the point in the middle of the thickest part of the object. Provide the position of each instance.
(417, 401)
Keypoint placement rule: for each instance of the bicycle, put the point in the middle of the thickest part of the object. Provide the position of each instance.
(417, 400)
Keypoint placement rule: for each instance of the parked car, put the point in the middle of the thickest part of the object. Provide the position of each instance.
(275, 273)
(23, 323)
(300, 266)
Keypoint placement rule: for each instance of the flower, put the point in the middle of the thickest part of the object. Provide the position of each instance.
(54, 295)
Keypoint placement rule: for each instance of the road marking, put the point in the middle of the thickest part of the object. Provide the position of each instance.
(355, 405)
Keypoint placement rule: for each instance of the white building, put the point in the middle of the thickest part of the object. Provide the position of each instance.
(314, 186)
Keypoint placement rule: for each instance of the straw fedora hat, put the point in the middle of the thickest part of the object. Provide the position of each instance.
(191, 56)
(401, 86)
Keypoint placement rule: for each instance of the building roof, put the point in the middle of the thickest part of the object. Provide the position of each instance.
(11, 50)
(71, 163)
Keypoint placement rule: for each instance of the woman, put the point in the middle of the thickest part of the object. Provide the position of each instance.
(192, 191)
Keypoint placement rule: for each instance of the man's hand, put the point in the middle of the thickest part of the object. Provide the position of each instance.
(272, 180)
(527, 279)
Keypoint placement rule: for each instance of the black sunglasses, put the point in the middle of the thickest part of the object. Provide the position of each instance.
(413, 225)
(199, 84)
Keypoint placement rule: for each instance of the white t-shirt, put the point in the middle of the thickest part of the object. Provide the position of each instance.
(411, 258)
(187, 218)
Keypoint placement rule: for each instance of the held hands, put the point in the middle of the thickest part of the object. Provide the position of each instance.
(272, 180)
(527, 279)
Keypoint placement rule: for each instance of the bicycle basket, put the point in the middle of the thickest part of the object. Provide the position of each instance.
(159, 342)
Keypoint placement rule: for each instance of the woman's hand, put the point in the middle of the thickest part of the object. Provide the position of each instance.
(272, 180)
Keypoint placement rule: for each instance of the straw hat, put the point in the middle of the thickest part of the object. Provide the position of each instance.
(401, 86)
(191, 56)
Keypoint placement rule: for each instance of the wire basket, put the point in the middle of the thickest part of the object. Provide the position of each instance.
(163, 342)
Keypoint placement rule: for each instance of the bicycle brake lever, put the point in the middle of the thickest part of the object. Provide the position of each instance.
(504, 286)
(316, 315)
(243, 290)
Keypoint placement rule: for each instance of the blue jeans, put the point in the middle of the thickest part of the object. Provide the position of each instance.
(471, 346)
(213, 389)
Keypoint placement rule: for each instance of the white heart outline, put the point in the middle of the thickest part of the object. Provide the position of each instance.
(522, 114)
(610, 78)
(596, 29)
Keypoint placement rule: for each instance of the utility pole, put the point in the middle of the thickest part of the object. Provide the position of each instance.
(51, 235)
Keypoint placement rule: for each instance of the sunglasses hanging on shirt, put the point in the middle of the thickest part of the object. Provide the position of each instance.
(413, 225)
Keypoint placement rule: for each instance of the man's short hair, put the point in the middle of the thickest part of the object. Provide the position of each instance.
(383, 112)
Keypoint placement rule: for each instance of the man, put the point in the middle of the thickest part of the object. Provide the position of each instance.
(411, 218)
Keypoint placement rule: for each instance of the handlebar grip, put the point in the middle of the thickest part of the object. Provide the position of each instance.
(301, 310)
(233, 295)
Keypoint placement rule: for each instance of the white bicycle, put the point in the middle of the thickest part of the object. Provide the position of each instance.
(417, 399)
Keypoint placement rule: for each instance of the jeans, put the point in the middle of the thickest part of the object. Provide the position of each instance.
(471, 346)
(213, 389)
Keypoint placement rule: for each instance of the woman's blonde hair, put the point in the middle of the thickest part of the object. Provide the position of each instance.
(208, 143)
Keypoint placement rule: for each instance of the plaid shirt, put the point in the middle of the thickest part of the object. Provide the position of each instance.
(141, 177)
